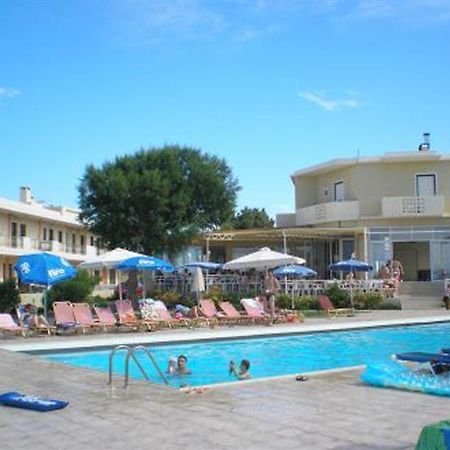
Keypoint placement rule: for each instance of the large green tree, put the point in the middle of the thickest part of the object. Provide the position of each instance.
(157, 199)
(248, 218)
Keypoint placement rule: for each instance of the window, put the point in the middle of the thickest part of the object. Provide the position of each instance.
(23, 230)
(339, 191)
(82, 240)
(92, 241)
(50, 234)
(425, 185)
(112, 276)
(74, 243)
(13, 234)
(44, 234)
(60, 236)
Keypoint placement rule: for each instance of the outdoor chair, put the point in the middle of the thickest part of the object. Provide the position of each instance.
(30, 325)
(230, 311)
(65, 318)
(209, 310)
(255, 311)
(128, 317)
(331, 311)
(106, 317)
(84, 316)
(155, 314)
(8, 325)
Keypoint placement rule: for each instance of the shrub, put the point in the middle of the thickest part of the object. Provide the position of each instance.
(367, 300)
(76, 290)
(302, 303)
(339, 297)
(390, 304)
(170, 298)
(9, 295)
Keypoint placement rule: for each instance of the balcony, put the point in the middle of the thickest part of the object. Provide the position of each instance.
(328, 212)
(431, 206)
(20, 245)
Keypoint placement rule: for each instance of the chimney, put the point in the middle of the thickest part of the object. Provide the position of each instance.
(425, 146)
(25, 195)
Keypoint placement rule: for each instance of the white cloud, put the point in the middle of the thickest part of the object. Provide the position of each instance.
(8, 92)
(329, 104)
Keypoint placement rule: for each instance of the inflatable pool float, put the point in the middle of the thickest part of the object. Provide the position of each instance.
(394, 375)
(31, 402)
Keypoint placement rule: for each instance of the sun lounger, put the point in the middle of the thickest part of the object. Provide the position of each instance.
(65, 317)
(328, 307)
(255, 311)
(128, 317)
(209, 310)
(421, 357)
(105, 316)
(30, 324)
(230, 311)
(7, 325)
(84, 316)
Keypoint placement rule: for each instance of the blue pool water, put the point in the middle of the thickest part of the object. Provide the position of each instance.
(274, 356)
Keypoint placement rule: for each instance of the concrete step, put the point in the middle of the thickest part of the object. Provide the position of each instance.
(420, 302)
(422, 288)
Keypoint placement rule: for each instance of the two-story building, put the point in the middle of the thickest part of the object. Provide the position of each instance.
(401, 201)
(27, 226)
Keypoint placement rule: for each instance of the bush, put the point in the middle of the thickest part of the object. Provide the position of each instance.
(339, 297)
(76, 290)
(302, 303)
(9, 295)
(367, 300)
(390, 304)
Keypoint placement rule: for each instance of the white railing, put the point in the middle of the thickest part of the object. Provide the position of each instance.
(328, 212)
(413, 206)
(27, 243)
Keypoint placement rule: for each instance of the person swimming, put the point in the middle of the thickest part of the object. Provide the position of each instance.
(243, 372)
(178, 366)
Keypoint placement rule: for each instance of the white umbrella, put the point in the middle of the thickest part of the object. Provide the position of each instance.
(198, 282)
(109, 259)
(265, 258)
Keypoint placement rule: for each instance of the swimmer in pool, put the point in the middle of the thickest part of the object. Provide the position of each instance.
(178, 366)
(243, 372)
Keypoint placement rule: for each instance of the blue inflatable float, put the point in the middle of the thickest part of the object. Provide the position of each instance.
(30, 402)
(395, 375)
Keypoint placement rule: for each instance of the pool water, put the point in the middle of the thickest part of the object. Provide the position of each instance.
(273, 356)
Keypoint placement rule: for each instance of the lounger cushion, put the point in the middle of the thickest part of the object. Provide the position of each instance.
(30, 402)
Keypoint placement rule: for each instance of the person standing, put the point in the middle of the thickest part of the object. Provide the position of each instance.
(271, 288)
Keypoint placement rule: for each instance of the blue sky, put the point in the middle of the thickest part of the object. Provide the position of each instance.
(271, 86)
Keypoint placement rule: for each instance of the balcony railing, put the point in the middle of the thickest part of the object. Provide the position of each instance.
(413, 206)
(27, 243)
(328, 212)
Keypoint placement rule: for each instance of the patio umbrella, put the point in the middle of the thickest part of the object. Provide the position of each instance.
(205, 265)
(350, 265)
(294, 270)
(198, 282)
(150, 263)
(109, 260)
(43, 269)
(265, 258)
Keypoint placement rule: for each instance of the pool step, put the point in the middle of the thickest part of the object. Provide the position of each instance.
(421, 294)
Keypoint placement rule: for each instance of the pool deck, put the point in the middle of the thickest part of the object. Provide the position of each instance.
(329, 411)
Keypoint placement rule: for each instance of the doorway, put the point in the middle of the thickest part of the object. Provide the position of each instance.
(415, 259)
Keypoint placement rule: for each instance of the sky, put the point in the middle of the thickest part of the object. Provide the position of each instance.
(272, 86)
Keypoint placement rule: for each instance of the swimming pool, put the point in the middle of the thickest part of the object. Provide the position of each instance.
(274, 356)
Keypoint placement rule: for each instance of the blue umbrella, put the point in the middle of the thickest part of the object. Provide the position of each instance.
(44, 269)
(150, 263)
(145, 263)
(294, 270)
(350, 265)
(204, 265)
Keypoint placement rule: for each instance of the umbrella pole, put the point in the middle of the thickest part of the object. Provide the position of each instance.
(120, 286)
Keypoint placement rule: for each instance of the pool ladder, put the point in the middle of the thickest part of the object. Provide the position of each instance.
(131, 354)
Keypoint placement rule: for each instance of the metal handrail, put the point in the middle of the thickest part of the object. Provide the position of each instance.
(153, 360)
(130, 353)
